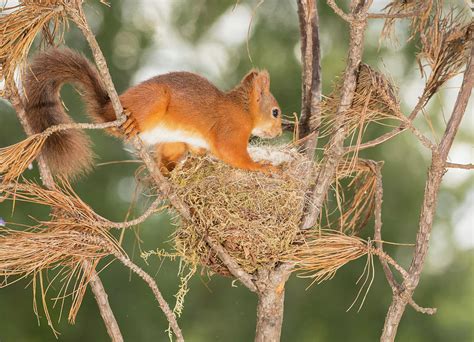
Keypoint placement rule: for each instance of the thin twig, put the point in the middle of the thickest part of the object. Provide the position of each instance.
(155, 206)
(339, 11)
(396, 131)
(378, 226)
(104, 308)
(384, 258)
(460, 166)
(95, 282)
(156, 291)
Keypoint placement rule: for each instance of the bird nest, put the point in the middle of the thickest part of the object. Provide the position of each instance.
(254, 216)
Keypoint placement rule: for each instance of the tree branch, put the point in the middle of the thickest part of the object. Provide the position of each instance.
(311, 84)
(460, 166)
(104, 307)
(433, 183)
(271, 283)
(334, 149)
(96, 284)
(164, 186)
(171, 317)
(407, 122)
(232, 265)
(339, 11)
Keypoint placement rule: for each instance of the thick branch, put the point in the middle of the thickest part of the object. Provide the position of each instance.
(335, 150)
(271, 296)
(311, 82)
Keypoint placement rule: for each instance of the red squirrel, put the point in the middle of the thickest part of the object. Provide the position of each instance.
(175, 112)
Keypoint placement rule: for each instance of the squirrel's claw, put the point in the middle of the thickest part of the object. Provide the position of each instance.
(269, 169)
(129, 127)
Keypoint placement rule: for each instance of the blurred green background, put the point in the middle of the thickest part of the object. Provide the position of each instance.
(143, 38)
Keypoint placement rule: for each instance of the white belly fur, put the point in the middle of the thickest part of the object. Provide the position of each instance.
(161, 134)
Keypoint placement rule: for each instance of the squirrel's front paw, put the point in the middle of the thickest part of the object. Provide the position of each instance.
(268, 168)
(130, 127)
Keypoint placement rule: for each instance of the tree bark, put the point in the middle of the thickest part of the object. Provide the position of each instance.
(47, 179)
(428, 209)
(335, 148)
(311, 80)
(104, 308)
(271, 297)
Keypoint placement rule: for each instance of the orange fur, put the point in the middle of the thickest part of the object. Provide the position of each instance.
(178, 112)
(190, 104)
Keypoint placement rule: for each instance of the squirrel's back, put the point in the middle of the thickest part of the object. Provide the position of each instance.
(189, 89)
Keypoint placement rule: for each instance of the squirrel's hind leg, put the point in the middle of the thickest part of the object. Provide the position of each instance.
(168, 155)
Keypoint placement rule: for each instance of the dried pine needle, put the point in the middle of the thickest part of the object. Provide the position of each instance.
(21, 24)
(375, 101)
(15, 159)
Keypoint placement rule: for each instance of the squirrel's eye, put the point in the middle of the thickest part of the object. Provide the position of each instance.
(275, 112)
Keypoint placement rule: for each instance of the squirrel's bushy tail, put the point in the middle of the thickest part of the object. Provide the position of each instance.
(67, 153)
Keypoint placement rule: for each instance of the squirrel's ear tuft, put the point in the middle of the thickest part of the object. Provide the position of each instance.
(258, 82)
(250, 77)
(262, 81)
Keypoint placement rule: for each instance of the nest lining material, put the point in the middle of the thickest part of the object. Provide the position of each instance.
(253, 215)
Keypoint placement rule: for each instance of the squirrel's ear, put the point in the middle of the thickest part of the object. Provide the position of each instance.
(258, 82)
(250, 77)
(262, 82)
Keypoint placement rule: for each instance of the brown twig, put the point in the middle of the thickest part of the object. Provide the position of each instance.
(156, 291)
(396, 287)
(433, 183)
(460, 166)
(106, 313)
(335, 150)
(378, 225)
(231, 265)
(96, 284)
(396, 131)
(311, 60)
(339, 11)
(161, 182)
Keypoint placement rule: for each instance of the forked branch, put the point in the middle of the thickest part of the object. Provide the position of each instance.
(96, 284)
(433, 183)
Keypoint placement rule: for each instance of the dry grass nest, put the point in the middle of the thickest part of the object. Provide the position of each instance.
(253, 215)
